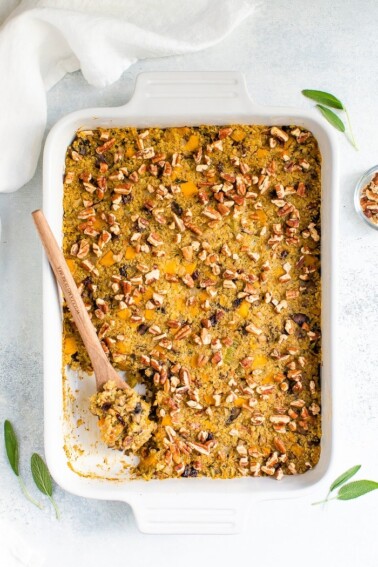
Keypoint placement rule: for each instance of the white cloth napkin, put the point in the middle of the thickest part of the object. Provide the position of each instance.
(42, 40)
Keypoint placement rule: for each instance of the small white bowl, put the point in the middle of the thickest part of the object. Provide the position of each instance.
(364, 180)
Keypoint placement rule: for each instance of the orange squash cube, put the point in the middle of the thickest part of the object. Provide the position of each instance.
(243, 309)
(124, 314)
(107, 260)
(70, 345)
(238, 135)
(72, 265)
(189, 188)
(130, 253)
(192, 144)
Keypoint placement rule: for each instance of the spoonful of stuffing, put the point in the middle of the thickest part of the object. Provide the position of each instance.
(123, 414)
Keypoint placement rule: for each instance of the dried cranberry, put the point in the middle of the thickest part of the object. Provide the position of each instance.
(316, 348)
(138, 408)
(153, 413)
(127, 198)
(234, 413)
(237, 302)
(176, 208)
(100, 159)
(123, 271)
(213, 319)
(195, 275)
(216, 317)
(120, 419)
(142, 329)
(189, 471)
(300, 318)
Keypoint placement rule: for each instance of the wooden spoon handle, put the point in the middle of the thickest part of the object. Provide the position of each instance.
(71, 293)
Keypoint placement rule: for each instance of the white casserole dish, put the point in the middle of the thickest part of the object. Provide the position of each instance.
(192, 505)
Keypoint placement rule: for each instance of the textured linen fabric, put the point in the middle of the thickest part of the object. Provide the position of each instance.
(42, 40)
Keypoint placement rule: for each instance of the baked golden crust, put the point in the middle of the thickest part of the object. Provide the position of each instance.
(197, 253)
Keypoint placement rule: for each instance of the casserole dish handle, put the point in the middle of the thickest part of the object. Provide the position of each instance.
(174, 94)
(164, 98)
(178, 514)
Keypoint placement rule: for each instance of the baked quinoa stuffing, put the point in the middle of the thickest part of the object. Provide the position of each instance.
(197, 254)
(123, 418)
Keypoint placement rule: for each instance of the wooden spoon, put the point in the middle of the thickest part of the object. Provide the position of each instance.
(137, 427)
(103, 370)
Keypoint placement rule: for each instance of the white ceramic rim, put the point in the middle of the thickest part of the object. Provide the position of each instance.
(166, 99)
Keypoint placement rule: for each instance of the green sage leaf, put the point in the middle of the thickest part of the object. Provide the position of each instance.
(344, 477)
(332, 118)
(356, 489)
(323, 98)
(41, 475)
(11, 446)
(43, 480)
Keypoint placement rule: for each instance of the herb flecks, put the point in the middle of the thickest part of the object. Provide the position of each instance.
(325, 102)
(42, 479)
(351, 490)
(13, 454)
